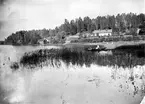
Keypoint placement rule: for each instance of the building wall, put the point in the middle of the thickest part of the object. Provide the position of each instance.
(104, 34)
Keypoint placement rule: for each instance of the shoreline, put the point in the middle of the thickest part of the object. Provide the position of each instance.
(108, 45)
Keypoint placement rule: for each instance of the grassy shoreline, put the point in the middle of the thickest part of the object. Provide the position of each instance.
(108, 45)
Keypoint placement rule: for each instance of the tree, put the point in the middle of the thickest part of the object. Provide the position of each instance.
(73, 27)
(141, 18)
(119, 23)
(87, 23)
(66, 26)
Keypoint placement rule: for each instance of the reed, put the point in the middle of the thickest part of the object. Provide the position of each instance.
(76, 56)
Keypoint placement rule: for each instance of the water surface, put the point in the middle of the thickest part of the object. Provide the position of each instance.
(70, 76)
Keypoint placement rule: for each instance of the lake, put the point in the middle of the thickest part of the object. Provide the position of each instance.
(56, 75)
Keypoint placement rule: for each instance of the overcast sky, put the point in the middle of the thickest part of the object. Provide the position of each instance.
(38, 14)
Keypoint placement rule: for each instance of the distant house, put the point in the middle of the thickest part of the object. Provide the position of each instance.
(44, 41)
(72, 38)
(106, 32)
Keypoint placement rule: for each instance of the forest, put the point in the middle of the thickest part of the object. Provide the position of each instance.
(119, 23)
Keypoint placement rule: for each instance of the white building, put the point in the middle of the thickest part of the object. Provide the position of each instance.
(107, 32)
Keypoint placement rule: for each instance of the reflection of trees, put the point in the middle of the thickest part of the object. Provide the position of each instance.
(79, 57)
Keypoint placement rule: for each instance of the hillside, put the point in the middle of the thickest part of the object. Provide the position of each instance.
(121, 23)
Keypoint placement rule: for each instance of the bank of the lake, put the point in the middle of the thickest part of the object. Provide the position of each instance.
(108, 45)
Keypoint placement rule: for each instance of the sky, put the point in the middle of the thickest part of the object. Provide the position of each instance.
(18, 15)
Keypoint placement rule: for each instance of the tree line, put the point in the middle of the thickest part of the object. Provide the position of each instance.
(119, 23)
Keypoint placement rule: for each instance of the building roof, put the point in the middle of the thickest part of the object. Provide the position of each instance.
(103, 31)
(73, 36)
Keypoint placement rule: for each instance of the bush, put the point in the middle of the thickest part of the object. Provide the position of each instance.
(14, 66)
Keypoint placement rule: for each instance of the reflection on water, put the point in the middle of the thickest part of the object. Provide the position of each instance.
(119, 58)
(70, 76)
